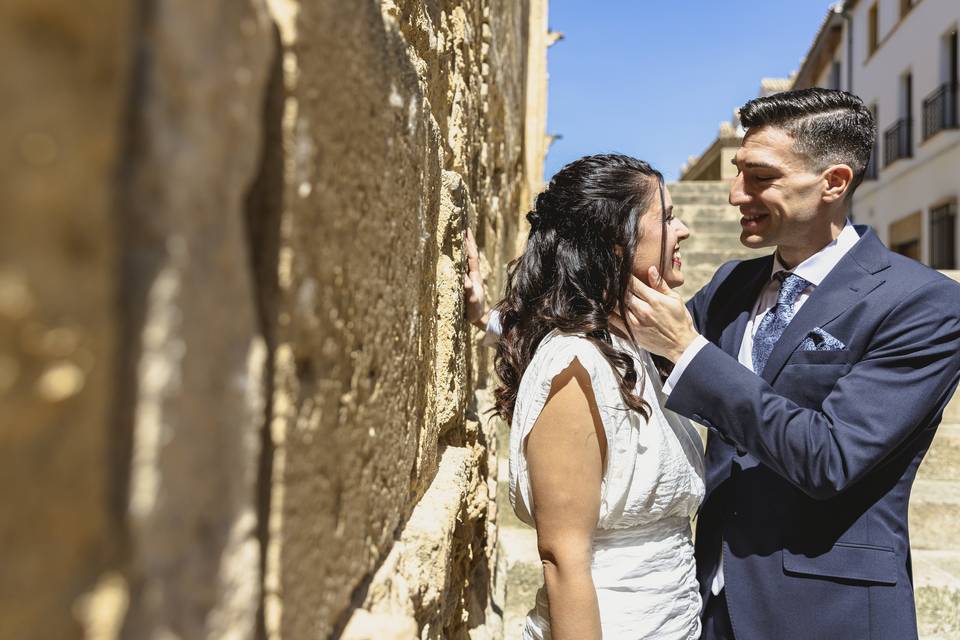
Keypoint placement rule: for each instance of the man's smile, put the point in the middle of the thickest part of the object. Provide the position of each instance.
(752, 219)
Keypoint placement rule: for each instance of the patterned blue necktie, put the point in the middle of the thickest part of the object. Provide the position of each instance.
(777, 319)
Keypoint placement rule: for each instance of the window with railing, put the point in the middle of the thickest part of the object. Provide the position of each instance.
(940, 110)
(896, 142)
(898, 139)
(943, 236)
(940, 107)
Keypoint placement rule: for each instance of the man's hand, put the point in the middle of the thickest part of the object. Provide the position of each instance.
(474, 305)
(657, 317)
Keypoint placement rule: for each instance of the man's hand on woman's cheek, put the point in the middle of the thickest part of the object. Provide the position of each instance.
(657, 317)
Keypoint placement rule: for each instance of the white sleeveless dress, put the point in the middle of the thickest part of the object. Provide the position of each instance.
(643, 567)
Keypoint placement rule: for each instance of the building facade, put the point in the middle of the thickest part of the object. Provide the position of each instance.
(901, 58)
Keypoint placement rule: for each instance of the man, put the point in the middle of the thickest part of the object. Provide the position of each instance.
(821, 372)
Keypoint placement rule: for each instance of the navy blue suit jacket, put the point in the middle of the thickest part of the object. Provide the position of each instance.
(809, 465)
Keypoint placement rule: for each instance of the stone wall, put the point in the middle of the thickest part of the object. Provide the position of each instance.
(238, 396)
(64, 80)
(403, 124)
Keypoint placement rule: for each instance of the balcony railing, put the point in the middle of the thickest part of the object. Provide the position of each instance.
(940, 110)
(897, 142)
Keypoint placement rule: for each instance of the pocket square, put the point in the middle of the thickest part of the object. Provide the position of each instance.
(820, 340)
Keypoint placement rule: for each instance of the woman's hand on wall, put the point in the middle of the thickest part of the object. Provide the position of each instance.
(475, 307)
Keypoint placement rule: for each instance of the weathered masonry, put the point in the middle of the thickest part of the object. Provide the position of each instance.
(237, 396)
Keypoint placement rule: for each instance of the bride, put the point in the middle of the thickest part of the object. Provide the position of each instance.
(607, 475)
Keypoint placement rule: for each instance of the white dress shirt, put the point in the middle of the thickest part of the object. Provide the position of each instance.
(814, 270)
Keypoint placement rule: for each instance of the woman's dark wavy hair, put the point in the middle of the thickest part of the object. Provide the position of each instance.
(575, 268)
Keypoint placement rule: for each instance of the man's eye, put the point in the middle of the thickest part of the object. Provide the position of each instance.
(763, 178)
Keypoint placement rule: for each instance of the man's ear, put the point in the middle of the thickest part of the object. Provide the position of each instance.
(838, 178)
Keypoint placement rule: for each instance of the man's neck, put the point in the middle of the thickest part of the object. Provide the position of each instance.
(790, 257)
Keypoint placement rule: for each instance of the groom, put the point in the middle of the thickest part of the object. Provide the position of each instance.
(821, 372)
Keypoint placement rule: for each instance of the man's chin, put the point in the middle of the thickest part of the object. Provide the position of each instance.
(754, 241)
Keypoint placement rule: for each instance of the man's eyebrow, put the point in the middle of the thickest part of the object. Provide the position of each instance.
(754, 165)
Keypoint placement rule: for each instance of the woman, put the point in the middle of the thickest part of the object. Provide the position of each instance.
(609, 478)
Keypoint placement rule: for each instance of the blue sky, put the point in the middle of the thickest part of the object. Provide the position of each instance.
(655, 79)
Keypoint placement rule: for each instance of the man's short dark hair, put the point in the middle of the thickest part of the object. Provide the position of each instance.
(828, 126)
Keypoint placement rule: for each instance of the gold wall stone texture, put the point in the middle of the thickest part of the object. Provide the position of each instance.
(238, 397)
(403, 124)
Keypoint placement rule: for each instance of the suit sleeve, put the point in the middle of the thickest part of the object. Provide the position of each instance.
(697, 305)
(906, 375)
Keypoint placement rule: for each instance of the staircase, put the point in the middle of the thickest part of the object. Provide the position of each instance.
(518, 549)
(714, 231)
(935, 529)
(934, 504)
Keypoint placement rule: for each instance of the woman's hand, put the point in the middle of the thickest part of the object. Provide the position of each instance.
(475, 308)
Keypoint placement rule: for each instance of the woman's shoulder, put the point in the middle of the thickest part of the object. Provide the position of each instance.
(558, 350)
(557, 346)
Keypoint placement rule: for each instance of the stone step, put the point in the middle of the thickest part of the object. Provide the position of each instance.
(952, 411)
(691, 213)
(716, 226)
(942, 461)
(710, 260)
(935, 515)
(726, 233)
(701, 274)
(524, 577)
(518, 553)
(936, 588)
(699, 186)
(712, 198)
(714, 242)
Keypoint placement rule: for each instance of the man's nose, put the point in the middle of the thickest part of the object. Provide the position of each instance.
(738, 195)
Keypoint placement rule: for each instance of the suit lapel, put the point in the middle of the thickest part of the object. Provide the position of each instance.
(742, 304)
(853, 278)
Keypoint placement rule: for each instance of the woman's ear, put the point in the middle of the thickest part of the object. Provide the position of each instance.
(838, 178)
(618, 250)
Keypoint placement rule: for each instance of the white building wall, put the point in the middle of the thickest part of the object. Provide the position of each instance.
(912, 45)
